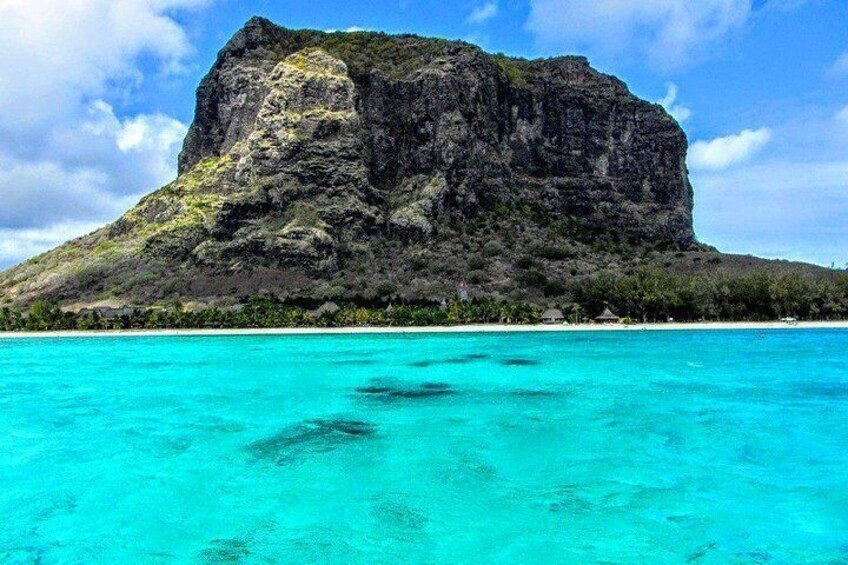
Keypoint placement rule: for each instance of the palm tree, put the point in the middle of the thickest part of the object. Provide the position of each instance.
(575, 312)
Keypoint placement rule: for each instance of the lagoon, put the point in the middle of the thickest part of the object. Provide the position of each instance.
(668, 447)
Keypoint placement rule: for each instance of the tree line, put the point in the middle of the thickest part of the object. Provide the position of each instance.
(272, 313)
(644, 296)
(652, 295)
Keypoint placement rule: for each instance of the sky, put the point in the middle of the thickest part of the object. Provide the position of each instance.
(96, 97)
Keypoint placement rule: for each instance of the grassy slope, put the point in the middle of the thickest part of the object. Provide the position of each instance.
(174, 211)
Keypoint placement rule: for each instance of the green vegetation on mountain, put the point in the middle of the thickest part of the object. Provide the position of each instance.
(369, 168)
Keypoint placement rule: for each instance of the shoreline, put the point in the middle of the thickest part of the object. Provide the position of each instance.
(477, 328)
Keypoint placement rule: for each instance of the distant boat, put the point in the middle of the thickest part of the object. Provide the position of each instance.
(790, 320)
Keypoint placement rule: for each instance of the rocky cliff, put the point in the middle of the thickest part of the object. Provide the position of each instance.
(363, 164)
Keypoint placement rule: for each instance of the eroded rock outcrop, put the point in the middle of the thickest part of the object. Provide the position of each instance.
(323, 164)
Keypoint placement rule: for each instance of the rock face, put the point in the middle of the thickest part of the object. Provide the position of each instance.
(362, 164)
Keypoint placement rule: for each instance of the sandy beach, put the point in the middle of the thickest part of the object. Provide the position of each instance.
(479, 328)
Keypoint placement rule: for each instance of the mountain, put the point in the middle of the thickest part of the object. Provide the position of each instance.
(363, 165)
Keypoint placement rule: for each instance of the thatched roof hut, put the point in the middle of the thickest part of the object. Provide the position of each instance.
(552, 316)
(328, 308)
(607, 317)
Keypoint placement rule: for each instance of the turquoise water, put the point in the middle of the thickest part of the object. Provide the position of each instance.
(661, 447)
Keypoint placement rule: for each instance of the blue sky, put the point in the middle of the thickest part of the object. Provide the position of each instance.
(95, 97)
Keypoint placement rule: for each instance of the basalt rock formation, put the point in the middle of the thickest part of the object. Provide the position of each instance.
(362, 165)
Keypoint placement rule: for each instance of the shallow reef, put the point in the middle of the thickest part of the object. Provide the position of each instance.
(387, 392)
(755, 556)
(310, 436)
(399, 515)
(534, 393)
(24, 554)
(471, 358)
(824, 390)
(225, 551)
(701, 552)
(354, 362)
(518, 362)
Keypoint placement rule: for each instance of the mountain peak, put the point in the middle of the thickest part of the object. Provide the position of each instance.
(360, 164)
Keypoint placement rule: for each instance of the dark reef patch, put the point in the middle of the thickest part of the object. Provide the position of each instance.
(394, 514)
(218, 425)
(518, 362)
(755, 556)
(823, 390)
(225, 551)
(534, 393)
(309, 437)
(387, 392)
(701, 552)
(374, 390)
(567, 499)
(463, 360)
(23, 554)
(354, 362)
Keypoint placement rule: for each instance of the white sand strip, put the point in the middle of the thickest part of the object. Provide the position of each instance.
(481, 328)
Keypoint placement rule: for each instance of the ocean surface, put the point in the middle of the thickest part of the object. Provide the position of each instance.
(608, 447)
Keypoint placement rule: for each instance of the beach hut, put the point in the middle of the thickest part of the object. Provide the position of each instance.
(607, 317)
(552, 316)
(328, 308)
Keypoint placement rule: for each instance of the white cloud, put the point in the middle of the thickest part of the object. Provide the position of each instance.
(66, 158)
(842, 116)
(787, 202)
(154, 141)
(777, 208)
(840, 66)
(35, 193)
(96, 169)
(484, 13)
(680, 112)
(351, 29)
(60, 53)
(18, 243)
(670, 32)
(722, 152)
